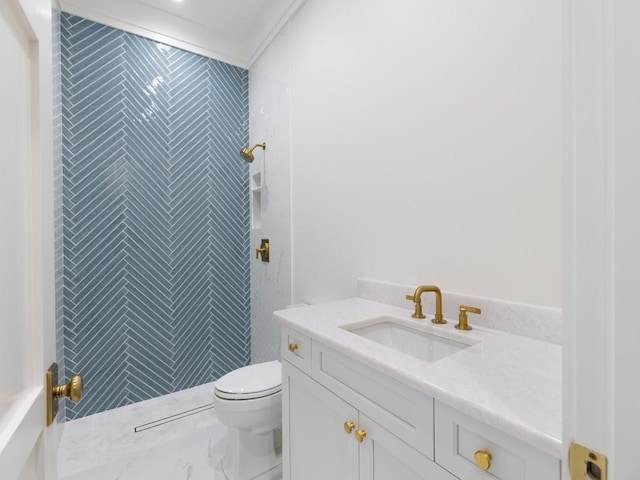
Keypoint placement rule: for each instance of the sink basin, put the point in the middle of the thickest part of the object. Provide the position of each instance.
(417, 343)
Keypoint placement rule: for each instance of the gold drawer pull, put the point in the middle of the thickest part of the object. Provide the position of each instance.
(483, 459)
(293, 347)
(349, 426)
(360, 434)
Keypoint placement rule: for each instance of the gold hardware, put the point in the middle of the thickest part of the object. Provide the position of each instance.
(349, 426)
(247, 153)
(360, 434)
(416, 299)
(483, 459)
(585, 463)
(417, 313)
(263, 251)
(463, 323)
(293, 347)
(72, 390)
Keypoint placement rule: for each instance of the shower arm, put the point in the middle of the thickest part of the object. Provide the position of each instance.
(262, 145)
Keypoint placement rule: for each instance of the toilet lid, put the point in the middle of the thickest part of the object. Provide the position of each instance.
(253, 381)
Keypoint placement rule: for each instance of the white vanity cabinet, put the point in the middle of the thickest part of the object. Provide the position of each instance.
(315, 444)
(383, 456)
(331, 399)
(459, 437)
(320, 440)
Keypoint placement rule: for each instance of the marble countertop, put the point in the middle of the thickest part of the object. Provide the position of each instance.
(509, 382)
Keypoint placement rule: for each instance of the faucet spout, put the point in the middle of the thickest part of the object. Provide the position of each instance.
(417, 300)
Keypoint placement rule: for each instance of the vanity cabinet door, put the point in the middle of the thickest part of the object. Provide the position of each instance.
(316, 445)
(383, 456)
(459, 437)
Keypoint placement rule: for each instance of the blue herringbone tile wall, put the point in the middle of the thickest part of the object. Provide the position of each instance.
(156, 216)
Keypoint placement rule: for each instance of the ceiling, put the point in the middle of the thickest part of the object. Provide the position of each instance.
(233, 31)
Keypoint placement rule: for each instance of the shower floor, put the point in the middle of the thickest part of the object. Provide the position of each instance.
(174, 437)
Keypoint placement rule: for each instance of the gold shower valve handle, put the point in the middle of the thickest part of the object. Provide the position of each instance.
(360, 435)
(483, 459)
(72, 390)
(349, 426)
(263, 251)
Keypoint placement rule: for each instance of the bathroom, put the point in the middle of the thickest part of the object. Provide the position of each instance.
(421, 143)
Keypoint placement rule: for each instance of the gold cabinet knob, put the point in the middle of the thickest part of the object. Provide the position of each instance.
(483, 459)
(349, 426)
(293, 347)
(72, 390)
(360, 435)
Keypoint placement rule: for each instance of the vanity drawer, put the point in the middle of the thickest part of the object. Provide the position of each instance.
(459, 437)
(403, 411)
(296, 349)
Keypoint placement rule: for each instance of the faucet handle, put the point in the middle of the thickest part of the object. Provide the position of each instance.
(417, 312)
(464, 308)
(463, 323)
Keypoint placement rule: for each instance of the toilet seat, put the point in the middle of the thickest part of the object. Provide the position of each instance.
(250, 382)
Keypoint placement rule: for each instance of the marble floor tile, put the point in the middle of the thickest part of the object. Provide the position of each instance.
(174, 437)
(110, 441)
(195, 456)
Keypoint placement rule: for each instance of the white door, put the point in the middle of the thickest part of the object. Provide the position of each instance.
(602, 219)
(27, 447)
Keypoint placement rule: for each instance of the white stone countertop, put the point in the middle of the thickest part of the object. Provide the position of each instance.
(509, 382)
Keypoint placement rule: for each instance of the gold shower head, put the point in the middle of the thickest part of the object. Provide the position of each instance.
(247, 153)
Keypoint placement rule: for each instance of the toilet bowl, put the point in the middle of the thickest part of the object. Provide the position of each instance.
(248, 401)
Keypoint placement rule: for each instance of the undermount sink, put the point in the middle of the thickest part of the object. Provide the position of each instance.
(417, 343)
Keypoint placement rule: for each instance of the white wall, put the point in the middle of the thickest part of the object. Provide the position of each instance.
(426, 146)
(269, 122)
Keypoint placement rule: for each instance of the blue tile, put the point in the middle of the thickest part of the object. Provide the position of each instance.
(155, 216)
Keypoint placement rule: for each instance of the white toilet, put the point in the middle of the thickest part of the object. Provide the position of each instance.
(249, 402)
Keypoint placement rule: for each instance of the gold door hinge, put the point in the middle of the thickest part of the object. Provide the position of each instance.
(585, 463)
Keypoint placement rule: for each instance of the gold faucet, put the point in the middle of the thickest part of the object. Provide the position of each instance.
(416, 298)
(463, 320)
